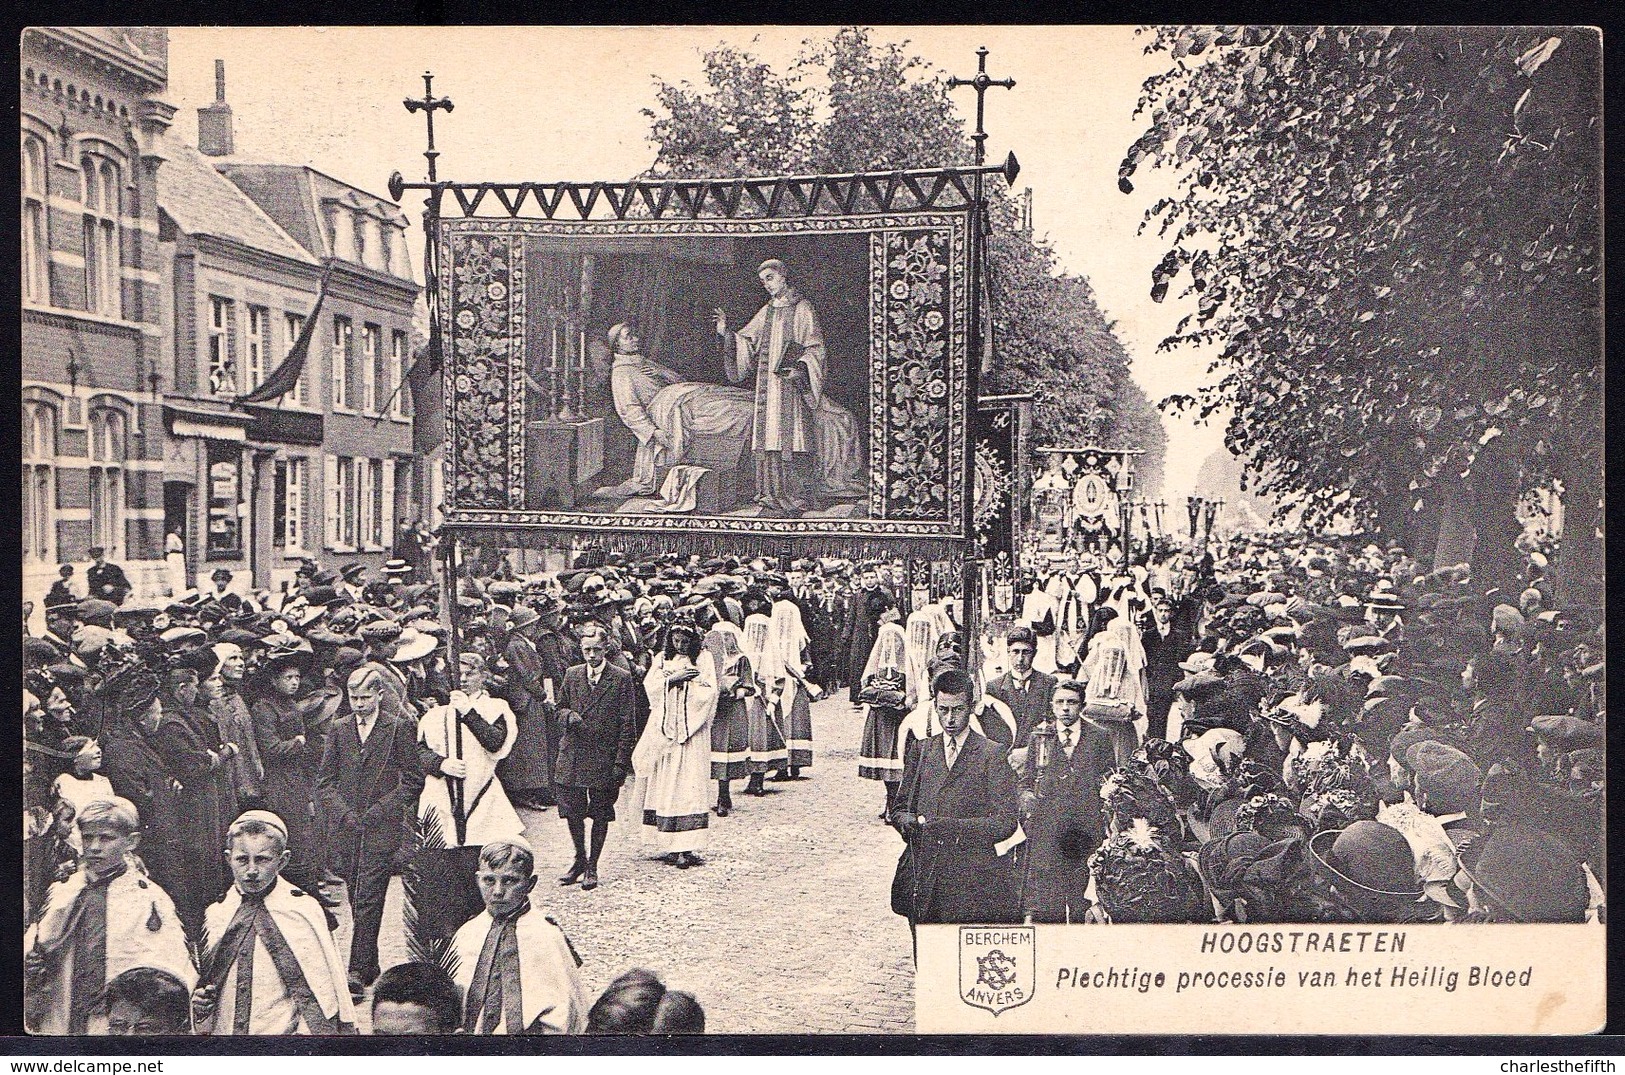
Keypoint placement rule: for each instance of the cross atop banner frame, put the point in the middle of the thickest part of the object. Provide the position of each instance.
(862, 435)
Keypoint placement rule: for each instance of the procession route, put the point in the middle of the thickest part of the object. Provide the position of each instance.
(786, 928)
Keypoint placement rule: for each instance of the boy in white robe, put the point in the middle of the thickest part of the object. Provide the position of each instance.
(104, 919)
(270, 965)
(459, 745)
(518, 971)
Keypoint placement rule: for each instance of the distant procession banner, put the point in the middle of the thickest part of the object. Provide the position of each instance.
(590, 391)
(1002, 482)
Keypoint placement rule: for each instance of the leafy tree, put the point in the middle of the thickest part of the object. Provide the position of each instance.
(849, 104)
(1391, 236)
(752, 121)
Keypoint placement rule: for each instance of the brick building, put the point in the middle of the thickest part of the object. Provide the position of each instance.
(326, 469)
(92, 121)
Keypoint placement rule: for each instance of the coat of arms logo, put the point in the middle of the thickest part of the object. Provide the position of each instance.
(997, 966)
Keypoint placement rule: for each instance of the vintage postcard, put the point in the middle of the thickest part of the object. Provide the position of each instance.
(869, 530)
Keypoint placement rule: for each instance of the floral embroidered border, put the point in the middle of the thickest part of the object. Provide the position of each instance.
(916, 305)
(482, 289)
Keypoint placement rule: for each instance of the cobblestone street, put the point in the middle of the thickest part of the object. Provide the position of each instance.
(787, 927)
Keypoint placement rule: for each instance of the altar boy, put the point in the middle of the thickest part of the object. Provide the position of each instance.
(518, 972)
(105, 919)
(270, 965)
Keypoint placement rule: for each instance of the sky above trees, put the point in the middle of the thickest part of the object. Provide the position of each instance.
(559, 103)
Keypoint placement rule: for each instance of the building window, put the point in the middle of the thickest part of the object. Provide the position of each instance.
(371, 356)
(225, 484)
(343, 344)
(107, 457)
(399, 359)
(39, 481)
(36, 237)
(222, 348)
(102, 207)
(258, 341)
(294, 324)
(288, 506)
(343, 507)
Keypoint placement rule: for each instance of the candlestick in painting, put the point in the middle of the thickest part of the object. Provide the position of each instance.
(566, 413)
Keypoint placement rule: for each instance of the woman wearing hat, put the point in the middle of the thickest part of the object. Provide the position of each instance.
(1369, 871)
(186, 738)
(527, 769)
(135, 768)
(291, 732)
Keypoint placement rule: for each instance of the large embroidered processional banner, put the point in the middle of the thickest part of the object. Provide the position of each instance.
(792, 382)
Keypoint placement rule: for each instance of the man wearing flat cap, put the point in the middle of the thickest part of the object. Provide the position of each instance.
(782, 348)
(61, 616)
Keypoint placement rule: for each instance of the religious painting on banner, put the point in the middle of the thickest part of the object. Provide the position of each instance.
(799, 378)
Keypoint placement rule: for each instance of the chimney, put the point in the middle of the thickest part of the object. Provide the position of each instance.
(214, 122)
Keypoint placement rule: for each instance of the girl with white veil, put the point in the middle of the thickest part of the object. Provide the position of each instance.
(672, 763)
(785, 659)
(767, 750)
(1114, 674)
(885, 690)
(736, 691)
(924, 629)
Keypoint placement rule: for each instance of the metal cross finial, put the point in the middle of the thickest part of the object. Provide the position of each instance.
(980, 84)
(428, 105)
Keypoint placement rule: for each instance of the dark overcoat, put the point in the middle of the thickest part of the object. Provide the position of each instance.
(951, 870)
(367, 794)
(1029, 706)
(1066, 824)
(597, 728)
(529, 765)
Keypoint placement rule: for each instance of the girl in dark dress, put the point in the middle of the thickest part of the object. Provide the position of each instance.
(884, 691)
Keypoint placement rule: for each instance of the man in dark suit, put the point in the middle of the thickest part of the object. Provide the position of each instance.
(958, 800)
(1024, 690)
(107, 581)
(1061, 812)
(367, 791)
(820, 632)
(597, 718)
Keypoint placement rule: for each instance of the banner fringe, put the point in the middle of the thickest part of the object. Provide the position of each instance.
(743, 546)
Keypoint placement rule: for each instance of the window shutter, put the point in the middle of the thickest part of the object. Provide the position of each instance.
(330, 486)
(386, 536)
(366, 490)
